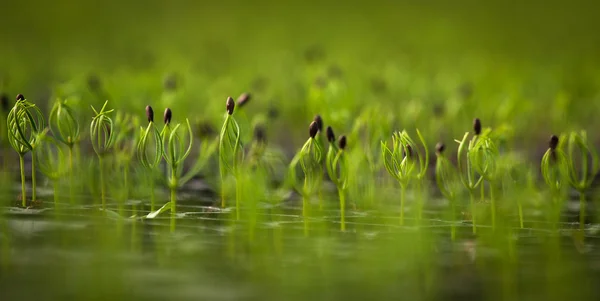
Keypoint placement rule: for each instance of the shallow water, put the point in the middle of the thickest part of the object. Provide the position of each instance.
(81, 252)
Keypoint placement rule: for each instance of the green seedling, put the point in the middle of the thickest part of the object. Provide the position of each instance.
(65, 128)
(401, 162)
(309, 158)
(175, 151)
(25, 124)
(484, 160)
(337, 169)
(230, 151)
(447, 180)
(555, 170)
(466, 170)
(150, 151)
(102, 137)
(582, 181)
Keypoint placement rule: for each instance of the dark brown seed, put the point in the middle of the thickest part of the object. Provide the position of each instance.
(260, 134)
(167, 116)
(243, 99)
(20, 97)
(342, 142)
(319, 122)
(477, 126)
(553, 142)
(440, 147)
(4, 102)
(330, 135)
(230, 105)
(313, 129)
(150, 114)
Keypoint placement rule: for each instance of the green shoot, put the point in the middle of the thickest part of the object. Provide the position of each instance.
(230, 149)
(337, 169)
(102, 137)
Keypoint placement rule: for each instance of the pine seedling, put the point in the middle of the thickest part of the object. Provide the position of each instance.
(405, 162)
(25, 123)
(65, 128)
(447, 179)
(583, 179)
(466, 170)
(230, 150)
(175, 151)
(102, 138)
(555, 170)
(337, 169)
(150, 150)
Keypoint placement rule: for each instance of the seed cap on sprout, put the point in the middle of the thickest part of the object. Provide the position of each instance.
(167, 116)
(440, 147)
(477, 126)
(313, 129)
(230, 105)
(330, 135)
(319, 122)
(342, 142)
(553, 143)
(149, 114)
(20, 97)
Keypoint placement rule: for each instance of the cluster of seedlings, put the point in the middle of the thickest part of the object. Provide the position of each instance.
(162, 153)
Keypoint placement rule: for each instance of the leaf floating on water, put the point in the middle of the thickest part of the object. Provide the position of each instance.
(165, 207)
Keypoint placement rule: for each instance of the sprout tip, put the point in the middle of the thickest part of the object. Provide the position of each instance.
(167, 116)
(230, 105)
(330, 135)
(342, 142)
(477, 126)
(313, 129)
(150, 114)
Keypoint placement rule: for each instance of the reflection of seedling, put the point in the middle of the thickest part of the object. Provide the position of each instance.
(448, 182)
(582, 183)
(51, 162)
(102, 136)
(25, 128)
(337, 169)
(400, 162)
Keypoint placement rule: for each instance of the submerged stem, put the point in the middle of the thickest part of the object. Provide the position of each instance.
(23, 192)
(520, 214)
(102, 189)
(173, 188)
(238, 195)
(493, 206)
(152, 196)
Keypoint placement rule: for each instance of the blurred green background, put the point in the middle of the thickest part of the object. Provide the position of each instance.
(536, 54)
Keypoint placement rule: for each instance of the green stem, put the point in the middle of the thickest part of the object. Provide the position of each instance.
(493, 206)
(222, 192)
(473, 211)
(453, 220)
(582, 205)
(402, 197)
(23, 192)
(342, 209)
(102, 191)
(238, 195)
(173, 207)
(152, 196)
(173, 187)
(55, 186)
(305, 200)
(71, 190)
(520, 214)
(33, 182)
